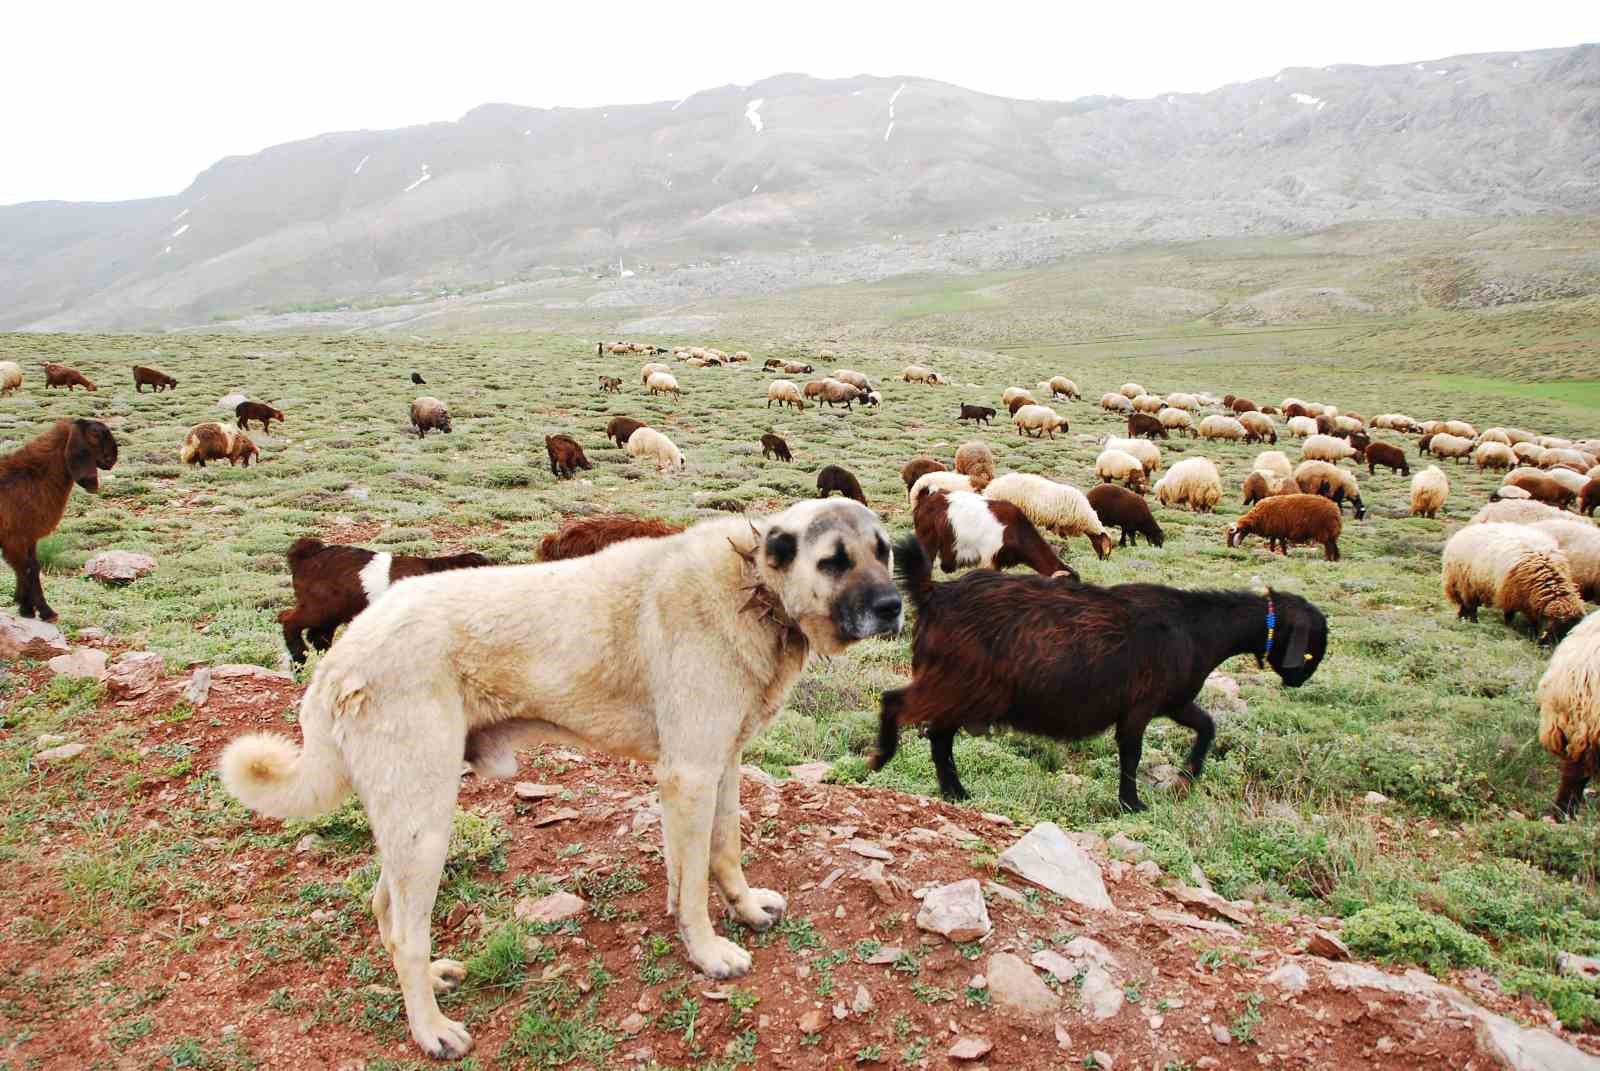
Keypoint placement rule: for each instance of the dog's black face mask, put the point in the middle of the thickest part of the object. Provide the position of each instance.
(837, 568)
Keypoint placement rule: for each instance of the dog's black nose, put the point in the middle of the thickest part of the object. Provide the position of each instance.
(887, 605)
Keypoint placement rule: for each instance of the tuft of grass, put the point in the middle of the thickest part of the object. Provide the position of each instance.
(1404, 933)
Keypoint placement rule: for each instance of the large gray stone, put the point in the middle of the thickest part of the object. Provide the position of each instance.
(1014, 986)
(119, 566)
(85, 662)
(1046, 857)
(955, 911)
(27, 637)
(134, 673)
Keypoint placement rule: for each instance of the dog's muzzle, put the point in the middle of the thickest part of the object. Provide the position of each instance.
(870, 610)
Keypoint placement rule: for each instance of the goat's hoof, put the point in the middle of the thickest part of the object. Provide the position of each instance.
(1134, 806)
(876, 761)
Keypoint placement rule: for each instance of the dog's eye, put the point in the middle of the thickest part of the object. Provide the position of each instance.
(883, 549)
(837, 563)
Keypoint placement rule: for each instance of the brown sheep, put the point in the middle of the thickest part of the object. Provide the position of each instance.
(620, 427)
(428, 414)
(836, 393)
(1259, 485)
(964, 529)
(59, 375)
(566, 455)
(1116, 505)
(975, 461)
(579, 537)
(332, 584)
(610, 384)
(1243, 405)
(1390, 456)
(245, 412)
(1145, 424)
(1542, 488)
(1591, 498)
(834, 478)
(154, 378)
(1018, 402)
(774, 446)
(35, 483)
(213, 442)
(917, 468)
(1286, 519)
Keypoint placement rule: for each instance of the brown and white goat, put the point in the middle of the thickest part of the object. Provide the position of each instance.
(964, 529)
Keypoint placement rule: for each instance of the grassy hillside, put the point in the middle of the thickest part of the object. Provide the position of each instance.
(1435, 714)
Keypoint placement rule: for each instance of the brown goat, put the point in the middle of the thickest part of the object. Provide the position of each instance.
(35, 483)
(566, 455)
(1286, 519)
(1145, 424)
(610, 384)
(213, 442)
(620, 427)
(154, 378)
(333, 583)
(917, 468)
(59, 375)
(581, 536)
(1128, 511)
(773, 445)
(963, 529)
(1387, 455)
(834, 478)
(245, 412)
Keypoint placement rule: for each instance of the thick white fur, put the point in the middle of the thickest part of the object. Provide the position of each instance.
(1326, 448)
(663, 383)
(1569, 694)
(1461, 428)
(1275, 462)
(929, 482)
(1117, 466)
(1518, 511)
(1116, 402)
(1192, 482)
(1180, 400)
(1445, 444)
(1051, 506)
(648, 442)
(1173, 418)
(375, 576)
(1302, 426)
(1131, 390)
(490, 659)
(1310, 472)
(1038, 418)
(1148, 453)
(978, 533)
(1492, 454)
(787, 391)
(1580, 542)
(10, 376)
(1429, 489)
(1217, 426)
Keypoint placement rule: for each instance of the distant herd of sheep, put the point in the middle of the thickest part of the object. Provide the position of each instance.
(1523, 554)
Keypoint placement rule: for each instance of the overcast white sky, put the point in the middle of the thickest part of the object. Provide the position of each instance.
(120, 100)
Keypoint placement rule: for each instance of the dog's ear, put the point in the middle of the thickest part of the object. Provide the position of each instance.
(781, 548)
(1299, 636)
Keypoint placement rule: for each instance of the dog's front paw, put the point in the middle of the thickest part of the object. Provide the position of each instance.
(761, 909)
(447, 975)
(442, 1038)
(720, 958)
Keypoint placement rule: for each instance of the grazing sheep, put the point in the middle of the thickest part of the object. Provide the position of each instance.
(836, 393)
(916, 373)
(1275, 462)
(1010, 394)
(1148, 453)
(917, 468)
(785, 392)
(739, 357)
(997, 649)
(1062, 386)
(332, 584)
(648, 442)
(796, 368)
(1148, 403)
(10, 377)
(975, 461)
(1580, 542)
(578, 537)
(872, 398)
(1519, 435)
(648, 370)
(1121, 508)
(1396, 422)
(566, 455)
(1460, 429)
(774, 446)
(1040, 420)
(214, 442)
(963, 530)
(1508, 494)
(1187, 402)
(1388, 455)
(245, 412)
(981, 414)
(1558, 456)
(1494, 435)
(1143, 424)
(35, 483)
(153, 378)
(1443, 444)
(1017, 403)
(429, 414)
(1569, 713)
(854, 378)
(1131, 391)
(1555, 442)
(1518, 511)
(610, 384)
(1052, 507)
(1493, 455)
(1217, 426)
(416, 377)
(1116, 403)
(1331, 482)
(1542, 487)
(664, 383)
(1258, 427)
(812, 389)
(1515, 569)
(1261, 484)
(1192, 482)
(59, 375)
(1294, 407)
(1429, 489)
(1176, 420)
(1302, 427)
(771, 363)
(933, 482)
(836, 478)
(1287, 519)
(1244, 405)
(1326, 448)
(1345, 425)
(1528, 453)
(620, 428)
(1116, 466)
(1590, 498)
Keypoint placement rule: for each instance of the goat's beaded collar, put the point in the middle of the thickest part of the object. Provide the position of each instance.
(1272, 625)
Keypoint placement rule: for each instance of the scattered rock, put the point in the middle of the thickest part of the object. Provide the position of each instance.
(27, 637)
(1005, 892)
(861, 1003)
(1047, 858)
(311, 842)
(1221, 682)
(553, 908)
(811, 773)
(970, 1048)
(1327, 945)
(1149, 871)
(1127, 847)
(199, 689)
(867, 850)
(1198, 879)
(1209, 903)
(230, 402)
(360, 494)
(119, 566)
(888, 888)
(1578, 966)
(1086, 950)
(1102, 1059)
(977, 981)
(1102, 997)
(632, 1023)
(562, 814)
(1014, 986)
(1289, 978)
(134, 673)
(886, 954)
(84, 662)
(245, 671)
(840, 1012)
(1375, 799)
(50, 740)
(1054, 963)
(60, 753)
(93, 635)
(1220, 1035)
(1179, 918)
(1167, 777)
(812, 1022)
(1063, 1036)
(527, 790)
(758, 775)
(956, 911)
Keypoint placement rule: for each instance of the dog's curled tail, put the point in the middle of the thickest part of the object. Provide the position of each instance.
(270, 775)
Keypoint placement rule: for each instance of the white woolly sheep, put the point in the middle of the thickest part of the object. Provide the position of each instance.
(1302, 427)
(1430, 427)
(1569, 712)
(1395, 422)
(1039, 419)
(1429, 489)
(1511, 493)
(651, 369)
(785, 392)
(1518, 511)
(1051, 506)
(916, 373)
(1217, 426)
(1555, 442)
(1461, 428)
(931, 482)
(1148, 403)
(854, 378)
(1491, 455)
(1494, 435)
(1174, 419)
(1528, 453)
(1259, 427)
(1116, 403)
(10, 377)
(1348, 424)
(1330, 481)
(1445, 445)
(1148, 453)
(1116, 466)
(1131, 390)
(1326, 448)
(1580, 542)
(1275, 462)
(1515, 569)
(1576, 460)
(648, 442)
(1187, 402)
(663, 383)
(1010, 394)
(975, 461)
(1572, 481)
(1062, 386)
(1521, 435)
(1192, 482)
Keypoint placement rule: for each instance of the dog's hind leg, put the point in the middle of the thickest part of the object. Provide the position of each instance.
(756, 908)
(688, 809)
